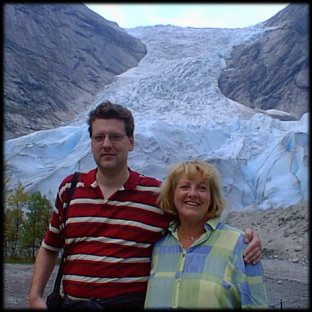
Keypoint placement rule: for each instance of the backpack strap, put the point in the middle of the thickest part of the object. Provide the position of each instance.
(57, 284)
(71, 190)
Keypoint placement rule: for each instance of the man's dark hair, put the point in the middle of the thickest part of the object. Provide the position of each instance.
(108, 110)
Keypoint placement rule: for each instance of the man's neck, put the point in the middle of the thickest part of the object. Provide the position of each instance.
(112, 179)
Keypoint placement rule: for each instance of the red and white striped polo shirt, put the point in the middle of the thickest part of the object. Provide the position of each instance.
(108, 241)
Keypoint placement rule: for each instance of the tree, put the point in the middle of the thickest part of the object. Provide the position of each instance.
(6, 181)
(13, 219)
(37, 221)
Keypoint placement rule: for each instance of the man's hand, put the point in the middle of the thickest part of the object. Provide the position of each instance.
(253, 251)
(37, 303)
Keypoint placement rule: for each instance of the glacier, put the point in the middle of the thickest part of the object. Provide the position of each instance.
(180, 114)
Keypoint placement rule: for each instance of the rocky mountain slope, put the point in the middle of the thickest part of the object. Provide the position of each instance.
(272, 73)
(56, 58)
(284, 232)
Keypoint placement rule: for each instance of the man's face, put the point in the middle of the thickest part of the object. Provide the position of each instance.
(110, 144)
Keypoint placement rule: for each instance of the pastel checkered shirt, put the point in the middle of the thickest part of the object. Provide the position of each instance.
(209, 274)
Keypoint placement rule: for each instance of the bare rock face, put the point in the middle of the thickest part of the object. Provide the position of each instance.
(284, 232)
(56, 58)
(272, 73)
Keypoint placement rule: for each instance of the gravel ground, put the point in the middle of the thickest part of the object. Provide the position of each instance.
(17, 279)
(287, 284)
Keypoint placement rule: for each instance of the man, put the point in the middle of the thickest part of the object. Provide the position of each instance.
(111, 225)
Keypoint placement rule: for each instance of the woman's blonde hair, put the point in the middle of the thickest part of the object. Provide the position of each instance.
(210, 177)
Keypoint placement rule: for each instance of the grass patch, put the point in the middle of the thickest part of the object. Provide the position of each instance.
(18, 260)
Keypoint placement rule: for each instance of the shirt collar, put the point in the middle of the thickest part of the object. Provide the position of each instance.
(211, 224)
(133, 180)
(131, 183)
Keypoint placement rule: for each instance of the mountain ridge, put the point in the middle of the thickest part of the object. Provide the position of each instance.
(42, 91)
(272, 72)
(56, 58)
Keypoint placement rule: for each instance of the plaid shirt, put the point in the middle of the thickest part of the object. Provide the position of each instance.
(209, 274)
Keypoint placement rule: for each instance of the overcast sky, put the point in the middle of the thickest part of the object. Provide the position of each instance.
(223, 15)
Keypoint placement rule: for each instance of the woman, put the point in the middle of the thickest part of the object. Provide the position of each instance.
(199, 263)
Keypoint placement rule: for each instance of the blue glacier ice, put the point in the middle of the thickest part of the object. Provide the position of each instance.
(180, 114)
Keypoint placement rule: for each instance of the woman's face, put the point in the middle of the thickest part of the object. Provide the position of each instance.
(192, 198)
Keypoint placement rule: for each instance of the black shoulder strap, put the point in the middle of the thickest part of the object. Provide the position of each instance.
(71, 190)
(73, 185)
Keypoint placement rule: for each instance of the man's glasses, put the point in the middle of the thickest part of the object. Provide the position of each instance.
(113, 137)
